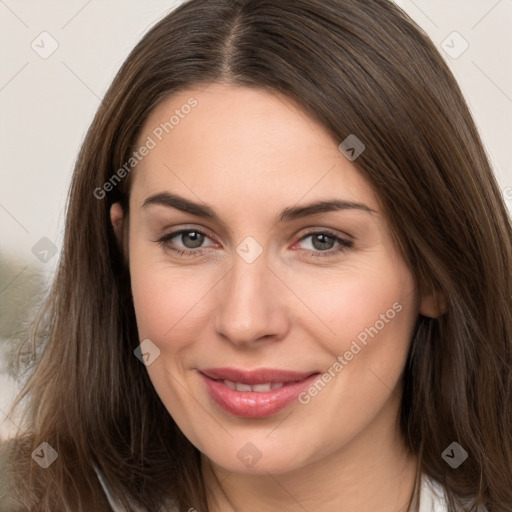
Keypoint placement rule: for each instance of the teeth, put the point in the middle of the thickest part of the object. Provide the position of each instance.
(229, 384)
(238, 386)
(261, 387)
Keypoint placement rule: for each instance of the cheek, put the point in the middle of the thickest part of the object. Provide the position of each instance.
(357, 304)
(159, 301)
(169, 301)
(156, 299)
(154, 305)
(372, 315)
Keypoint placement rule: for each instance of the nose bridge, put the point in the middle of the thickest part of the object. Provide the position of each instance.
(249, 306)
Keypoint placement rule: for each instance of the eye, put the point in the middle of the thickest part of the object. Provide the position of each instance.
(191, 241)
(323, 243)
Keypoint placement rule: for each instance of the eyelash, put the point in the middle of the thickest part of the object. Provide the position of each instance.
(343, 243)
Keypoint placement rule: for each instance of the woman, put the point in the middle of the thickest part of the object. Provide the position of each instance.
(346, 346)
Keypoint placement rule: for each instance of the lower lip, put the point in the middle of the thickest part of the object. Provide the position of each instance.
(254, 404)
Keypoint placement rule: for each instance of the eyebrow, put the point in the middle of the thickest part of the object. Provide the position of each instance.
(288, 214)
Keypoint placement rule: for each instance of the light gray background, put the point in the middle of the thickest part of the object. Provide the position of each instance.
(46, 105)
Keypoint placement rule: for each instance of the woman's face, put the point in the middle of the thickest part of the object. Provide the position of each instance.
(260, 279)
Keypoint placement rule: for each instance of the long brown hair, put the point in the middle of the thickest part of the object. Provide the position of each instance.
(358, 67)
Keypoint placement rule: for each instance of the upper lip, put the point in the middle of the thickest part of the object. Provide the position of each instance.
(259, 376)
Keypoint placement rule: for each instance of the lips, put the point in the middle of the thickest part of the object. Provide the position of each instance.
(257, 393)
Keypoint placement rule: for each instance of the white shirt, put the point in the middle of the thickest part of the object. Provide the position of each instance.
(432, 497)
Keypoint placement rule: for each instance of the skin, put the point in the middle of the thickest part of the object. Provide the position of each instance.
(248, 154)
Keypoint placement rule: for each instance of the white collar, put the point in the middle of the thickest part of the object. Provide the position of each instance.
(432, 496)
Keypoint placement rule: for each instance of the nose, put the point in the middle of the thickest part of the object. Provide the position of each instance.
(252, 304)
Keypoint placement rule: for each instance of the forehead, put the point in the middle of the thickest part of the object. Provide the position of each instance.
(245, 141)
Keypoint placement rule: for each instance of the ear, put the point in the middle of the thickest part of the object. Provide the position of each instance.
(432, 304)
(116, 219)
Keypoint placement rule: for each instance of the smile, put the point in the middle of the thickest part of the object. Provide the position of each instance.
(257, 393)
(258, 388)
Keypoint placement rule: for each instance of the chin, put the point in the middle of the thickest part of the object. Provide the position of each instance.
(258, 458)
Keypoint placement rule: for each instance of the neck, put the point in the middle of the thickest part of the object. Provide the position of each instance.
(372, 472)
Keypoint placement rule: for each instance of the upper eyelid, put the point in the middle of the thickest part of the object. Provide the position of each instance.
(176, 232)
